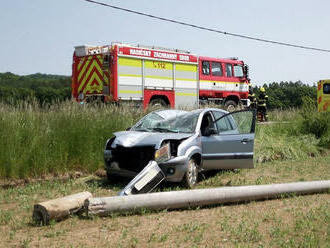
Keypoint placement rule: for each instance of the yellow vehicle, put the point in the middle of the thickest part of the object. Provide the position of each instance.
(323, 95)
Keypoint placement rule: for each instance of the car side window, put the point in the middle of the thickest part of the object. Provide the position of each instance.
(223, 125)
(207, 123)
(241, 122)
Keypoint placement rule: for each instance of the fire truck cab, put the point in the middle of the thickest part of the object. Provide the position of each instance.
(156, 76)
(223, 81)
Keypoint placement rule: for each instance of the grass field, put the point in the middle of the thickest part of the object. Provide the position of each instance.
(46, 144)
(36, 142)
(298, 221)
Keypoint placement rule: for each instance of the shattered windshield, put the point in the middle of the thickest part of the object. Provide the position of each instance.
(180, 123)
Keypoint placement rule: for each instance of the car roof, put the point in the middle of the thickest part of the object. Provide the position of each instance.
(215, 109)
(168, 113)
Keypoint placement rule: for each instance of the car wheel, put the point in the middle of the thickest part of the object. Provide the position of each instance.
(230, 105)
(191, 176)
(112, 178)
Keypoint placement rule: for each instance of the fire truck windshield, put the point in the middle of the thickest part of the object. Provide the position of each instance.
(238, 71)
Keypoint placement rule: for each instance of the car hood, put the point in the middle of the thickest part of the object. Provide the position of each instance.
(135, 138)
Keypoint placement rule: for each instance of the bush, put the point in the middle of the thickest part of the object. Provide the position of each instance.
(316, 123)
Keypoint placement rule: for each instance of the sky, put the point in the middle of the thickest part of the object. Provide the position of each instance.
(40, 35)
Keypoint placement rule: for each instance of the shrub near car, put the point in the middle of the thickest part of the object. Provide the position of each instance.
(196, 141)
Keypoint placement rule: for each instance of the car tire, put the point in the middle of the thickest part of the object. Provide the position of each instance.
(112, 178)
(158, 103)
(190, 178)
(230, 105)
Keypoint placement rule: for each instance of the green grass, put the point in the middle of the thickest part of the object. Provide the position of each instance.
(293, 221)
(67, 137)
(71, 137)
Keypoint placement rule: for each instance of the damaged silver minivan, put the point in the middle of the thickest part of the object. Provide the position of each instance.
(183, 144)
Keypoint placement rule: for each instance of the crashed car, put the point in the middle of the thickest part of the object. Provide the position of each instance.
(182, 144)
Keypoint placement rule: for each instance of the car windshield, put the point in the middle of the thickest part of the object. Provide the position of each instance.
(179, 123)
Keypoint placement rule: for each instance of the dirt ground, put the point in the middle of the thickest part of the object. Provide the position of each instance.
(296, 221)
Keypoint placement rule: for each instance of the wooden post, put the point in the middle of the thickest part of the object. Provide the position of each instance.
(60, 208)
(199, 197)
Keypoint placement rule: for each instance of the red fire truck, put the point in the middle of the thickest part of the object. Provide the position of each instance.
(156, 76)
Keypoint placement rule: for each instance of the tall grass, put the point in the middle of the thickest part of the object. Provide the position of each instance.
(66, 136)
(316, 123)
(296, 134)
(62, 137)
(284, 141)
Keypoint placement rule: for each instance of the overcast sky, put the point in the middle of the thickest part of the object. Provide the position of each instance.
(40, 35)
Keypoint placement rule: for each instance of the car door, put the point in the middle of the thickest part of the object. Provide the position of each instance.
(231, 147)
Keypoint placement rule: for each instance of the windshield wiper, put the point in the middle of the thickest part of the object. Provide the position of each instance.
(163, 129)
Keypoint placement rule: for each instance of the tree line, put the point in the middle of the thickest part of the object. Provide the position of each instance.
(285, 95)
(50, 88)
(42, 87)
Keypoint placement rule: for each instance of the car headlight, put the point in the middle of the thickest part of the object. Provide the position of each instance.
(163, 154)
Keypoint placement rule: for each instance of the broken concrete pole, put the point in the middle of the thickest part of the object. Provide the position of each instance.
(60, 208)
(199, 197)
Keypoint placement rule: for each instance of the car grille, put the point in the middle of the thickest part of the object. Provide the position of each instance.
(133, 158)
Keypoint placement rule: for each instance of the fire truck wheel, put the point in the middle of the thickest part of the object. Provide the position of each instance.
(158, 103)
(230, 105)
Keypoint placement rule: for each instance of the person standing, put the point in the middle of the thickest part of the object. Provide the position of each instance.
(262, 104)
(252, 98)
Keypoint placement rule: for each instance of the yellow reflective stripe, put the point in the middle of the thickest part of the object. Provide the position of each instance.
(129, 75)
(184, 67)
(130, 62)
(160, 77)
(185, 94)
(160, 65)
(86, 61)
(84, 69)
(222, 82)
(94, 64)
(81, 62)
(130, 91)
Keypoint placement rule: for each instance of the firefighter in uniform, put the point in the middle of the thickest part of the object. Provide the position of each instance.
(262, 101)
(252, 98)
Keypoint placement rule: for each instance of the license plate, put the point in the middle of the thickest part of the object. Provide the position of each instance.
(146, 179)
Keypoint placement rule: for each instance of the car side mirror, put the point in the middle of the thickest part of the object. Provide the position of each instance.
(210, 131)
(127, 129)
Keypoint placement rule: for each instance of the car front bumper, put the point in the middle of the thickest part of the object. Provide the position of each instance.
(174, 169)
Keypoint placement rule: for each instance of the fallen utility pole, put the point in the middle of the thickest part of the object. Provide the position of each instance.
(60, 208)
(199, 197)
